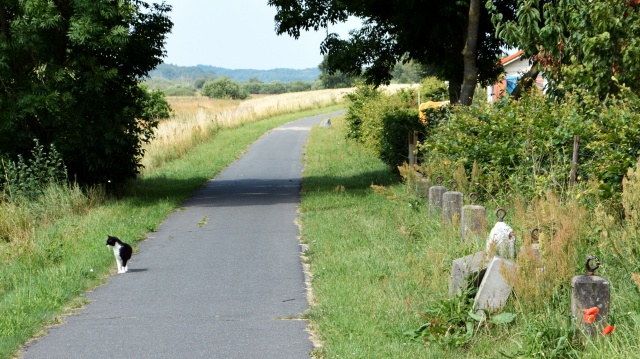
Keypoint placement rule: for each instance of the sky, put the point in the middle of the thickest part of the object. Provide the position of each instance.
(239, 34)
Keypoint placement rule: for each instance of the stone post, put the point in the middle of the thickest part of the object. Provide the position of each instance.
(452, 204)
(473, 221)
(466, 272)
(588, 292)
(435, 196)
(494, 289)
(501, 240)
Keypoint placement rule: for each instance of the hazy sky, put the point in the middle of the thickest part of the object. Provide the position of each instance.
(239, 34)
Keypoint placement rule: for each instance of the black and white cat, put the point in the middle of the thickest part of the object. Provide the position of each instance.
(121, 251)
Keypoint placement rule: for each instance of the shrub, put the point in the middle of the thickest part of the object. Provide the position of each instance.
(380, 121)
(433, 89)
(27, 178)
(224, 88)
(180, 90)
(154, 104)
(526, 146)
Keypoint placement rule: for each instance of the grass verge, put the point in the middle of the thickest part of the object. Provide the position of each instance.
(381, 267)
(42, 278)
(377, 257)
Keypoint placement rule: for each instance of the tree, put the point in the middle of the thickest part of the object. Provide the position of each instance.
(154, 104)
(409, 71)
(432, 33)
(69, 75)
(590, 45)
(333, 79)
(224, 88)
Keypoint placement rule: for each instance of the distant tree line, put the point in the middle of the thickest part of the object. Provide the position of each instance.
(214, 86)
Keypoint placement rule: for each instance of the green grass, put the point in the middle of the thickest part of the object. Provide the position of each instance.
(66, 255)
(379, 259)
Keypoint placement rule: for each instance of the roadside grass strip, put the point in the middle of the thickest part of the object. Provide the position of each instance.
(376, 256)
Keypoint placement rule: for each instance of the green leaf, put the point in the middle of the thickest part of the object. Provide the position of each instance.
(503, 318)
(476, 317)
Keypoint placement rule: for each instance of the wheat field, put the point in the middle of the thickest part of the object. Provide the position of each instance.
(196, 118)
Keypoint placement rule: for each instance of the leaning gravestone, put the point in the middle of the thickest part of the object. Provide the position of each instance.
(466, 272)
(494, 289)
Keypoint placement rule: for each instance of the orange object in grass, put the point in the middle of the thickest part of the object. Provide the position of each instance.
(590, 314)
(591, 311)
(608, 329)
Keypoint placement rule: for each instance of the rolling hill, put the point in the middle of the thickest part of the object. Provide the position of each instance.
(192, 73)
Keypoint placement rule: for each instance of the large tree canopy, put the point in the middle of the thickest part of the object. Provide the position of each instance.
(69, 74)
(433, 33)
(591, 45)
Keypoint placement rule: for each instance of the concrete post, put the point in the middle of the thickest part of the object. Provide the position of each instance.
(501, 238)
(452, 204)
(588, 292)
(473, 220)
(422, 188)
(535, 245)
(494, 289)
(435, 196)
(466, 272)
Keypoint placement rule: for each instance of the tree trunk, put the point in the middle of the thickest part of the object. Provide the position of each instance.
(454, 90)
(469, 54)
(526, 81)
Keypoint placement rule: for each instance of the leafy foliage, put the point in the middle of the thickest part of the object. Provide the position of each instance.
(590, 45)
(70, 72)
(382, 122)
(154, 104)
(526, 146)
(333, 79)
(452, 322)
(224, 88)
(28, 178)
(432, 33)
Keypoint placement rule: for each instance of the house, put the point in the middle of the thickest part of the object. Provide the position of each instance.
(514, 66)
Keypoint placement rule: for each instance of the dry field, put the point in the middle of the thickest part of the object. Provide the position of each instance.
(196, 118)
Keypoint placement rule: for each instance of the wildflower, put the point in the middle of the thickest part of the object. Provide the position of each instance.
(590, 314)
(608, 329)
(591, 311)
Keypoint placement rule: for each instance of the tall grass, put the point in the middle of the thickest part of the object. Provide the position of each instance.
(197, 119)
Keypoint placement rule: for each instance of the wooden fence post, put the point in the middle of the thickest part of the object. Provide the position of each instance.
(413, 143)
(574, 161)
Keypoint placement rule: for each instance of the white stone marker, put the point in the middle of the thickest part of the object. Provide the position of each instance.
(501, 237)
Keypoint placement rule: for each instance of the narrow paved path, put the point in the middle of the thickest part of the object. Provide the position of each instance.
(221, 278)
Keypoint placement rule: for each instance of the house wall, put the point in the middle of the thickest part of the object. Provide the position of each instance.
(514, 68)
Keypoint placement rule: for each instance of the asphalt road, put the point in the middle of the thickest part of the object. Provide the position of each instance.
(221, 278)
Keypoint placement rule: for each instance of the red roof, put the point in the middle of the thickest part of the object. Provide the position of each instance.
(511, 58)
